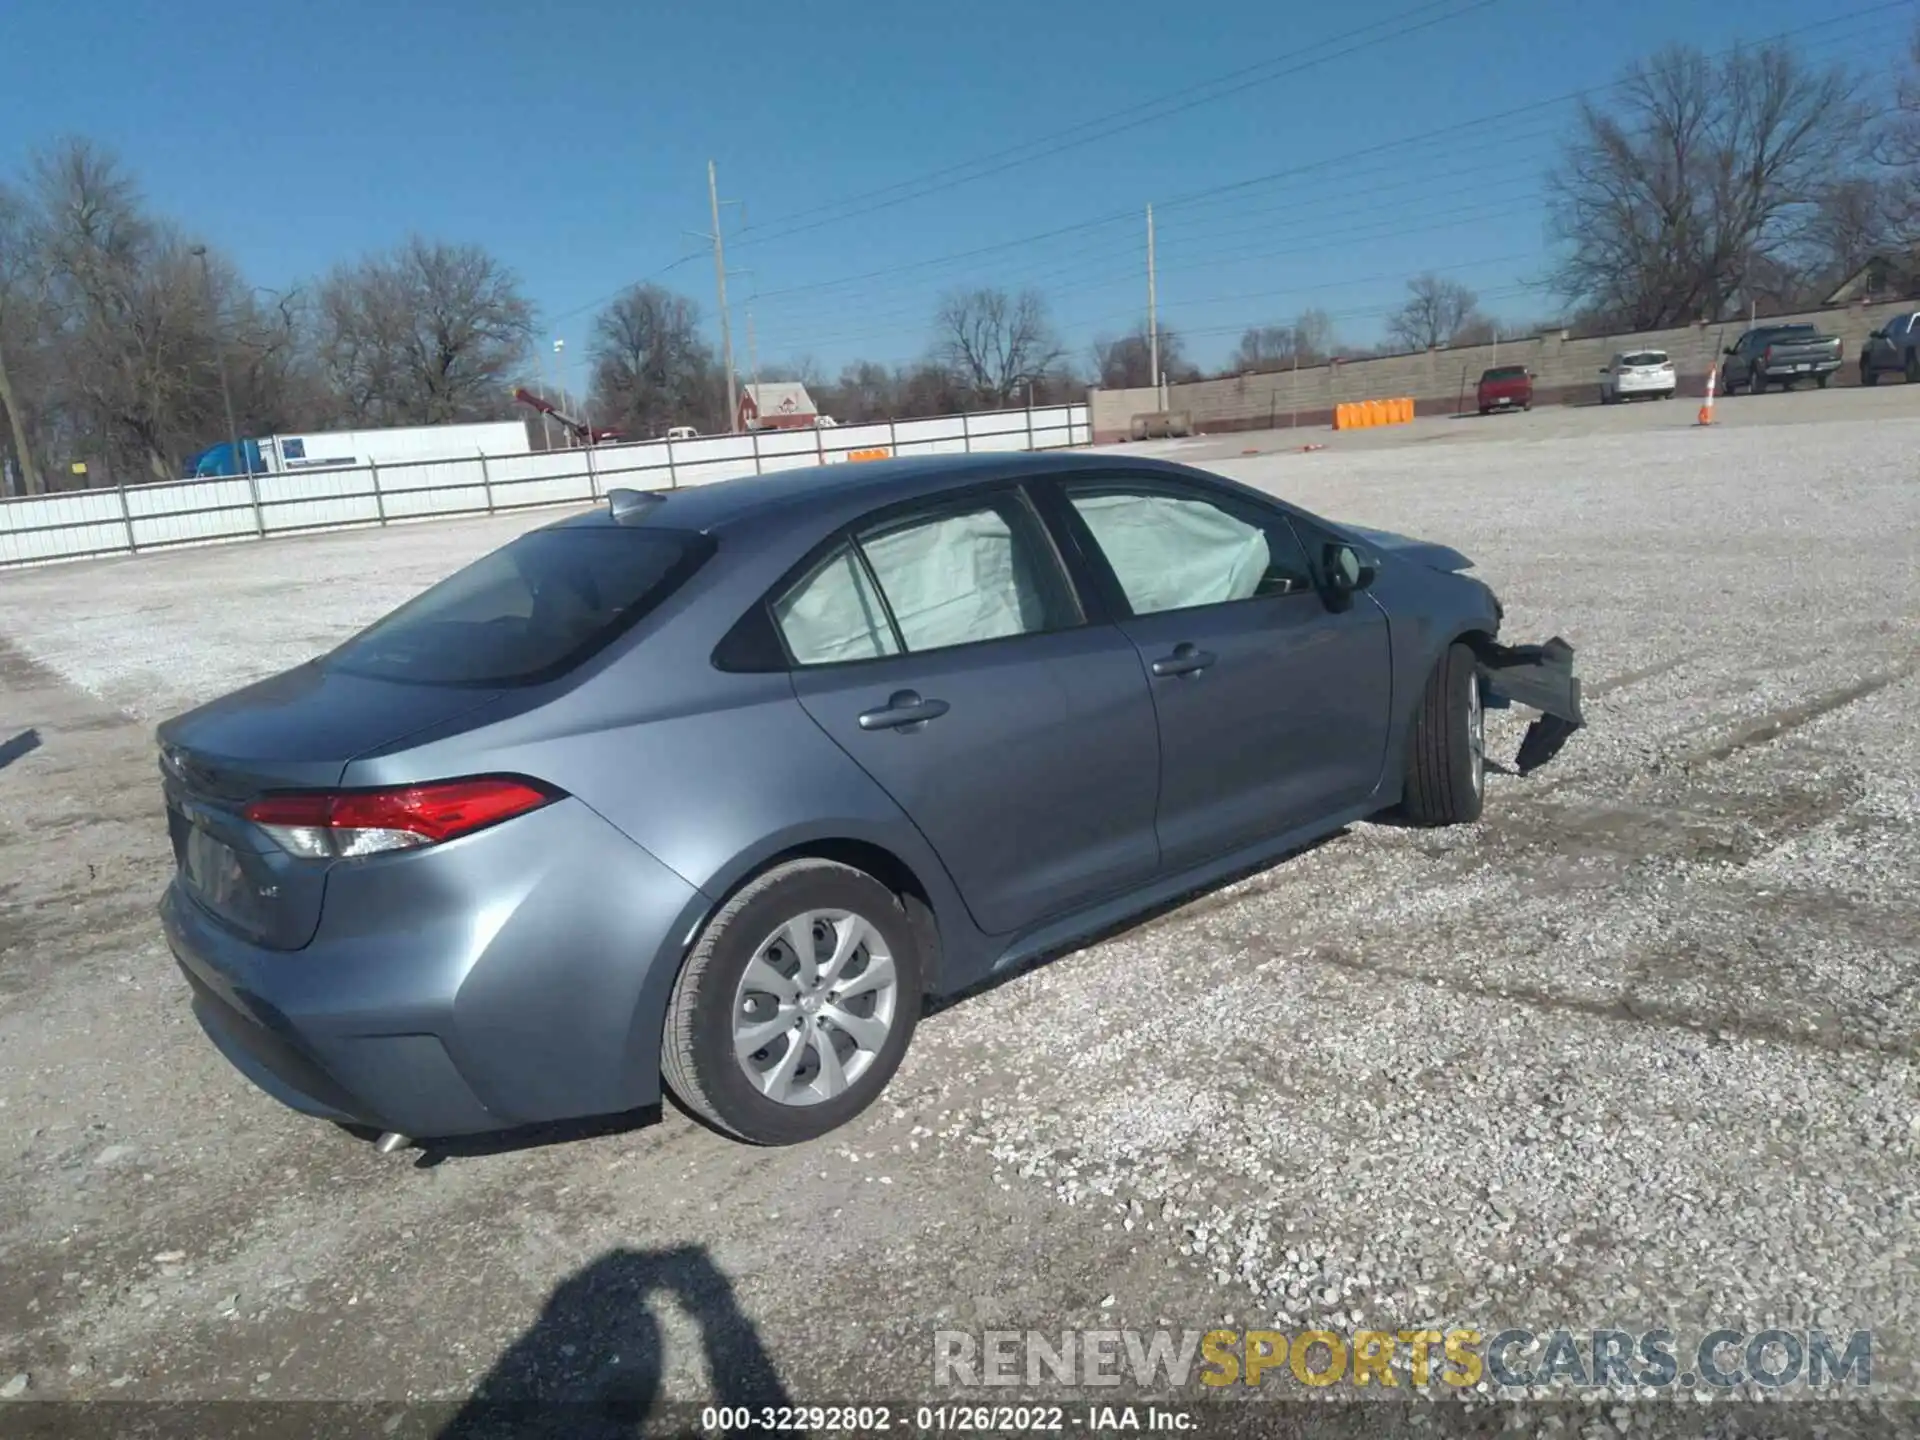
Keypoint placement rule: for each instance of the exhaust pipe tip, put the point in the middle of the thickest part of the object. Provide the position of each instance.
(390, 1141)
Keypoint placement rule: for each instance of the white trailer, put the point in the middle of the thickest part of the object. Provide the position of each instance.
(315, 450)
(338, 449)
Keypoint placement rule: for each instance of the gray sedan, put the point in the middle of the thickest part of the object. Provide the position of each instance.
(715, 787)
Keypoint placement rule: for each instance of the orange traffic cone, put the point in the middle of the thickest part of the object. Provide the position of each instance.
(1706, 406)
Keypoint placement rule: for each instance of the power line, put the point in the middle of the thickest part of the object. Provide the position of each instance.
(1400, 147)
(1101, 127)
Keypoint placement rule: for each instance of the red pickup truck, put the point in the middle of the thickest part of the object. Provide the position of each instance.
(1506, 387)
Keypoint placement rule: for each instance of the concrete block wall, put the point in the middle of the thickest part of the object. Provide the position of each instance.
(1442, 381)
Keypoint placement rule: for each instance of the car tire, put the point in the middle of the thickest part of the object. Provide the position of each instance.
(708, 1012)
(1913, 367)
(1446, 750)
(1820, 381)
(1868, 375)
(1757, 384)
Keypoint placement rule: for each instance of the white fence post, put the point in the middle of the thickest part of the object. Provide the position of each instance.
(966, 433)
(673, 475)
(1029, 424)
(754, 436)
(379, 500)
(593, 478)
(486, 482)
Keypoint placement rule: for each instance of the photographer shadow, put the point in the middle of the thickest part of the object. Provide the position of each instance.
(591, 1365)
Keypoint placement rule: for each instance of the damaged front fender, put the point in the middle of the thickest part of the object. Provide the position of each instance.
(1541, 678)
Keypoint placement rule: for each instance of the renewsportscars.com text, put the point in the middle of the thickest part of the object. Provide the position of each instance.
(1458, 1358)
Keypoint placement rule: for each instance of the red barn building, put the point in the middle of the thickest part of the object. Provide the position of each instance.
(781, 406)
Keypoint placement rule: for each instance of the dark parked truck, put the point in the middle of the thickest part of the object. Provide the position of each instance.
(1506, 387)
(1780, 355)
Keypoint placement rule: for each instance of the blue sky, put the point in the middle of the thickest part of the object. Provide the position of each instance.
(572, 139)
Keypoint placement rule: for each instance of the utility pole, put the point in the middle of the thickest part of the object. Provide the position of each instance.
(1153, 319)
(240, 457)
(30, 480)
(753, 353)
(720, 279)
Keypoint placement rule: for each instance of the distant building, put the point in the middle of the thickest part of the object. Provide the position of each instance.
(784, 405)
(1883, 277)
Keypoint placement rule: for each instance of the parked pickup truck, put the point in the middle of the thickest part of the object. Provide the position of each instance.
(1506, 387)
(1895, 346)
(1780, 355)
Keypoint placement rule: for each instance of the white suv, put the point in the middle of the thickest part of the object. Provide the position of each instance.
(1638, 372)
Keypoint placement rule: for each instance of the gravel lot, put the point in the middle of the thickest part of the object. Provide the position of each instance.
(1638, 1050)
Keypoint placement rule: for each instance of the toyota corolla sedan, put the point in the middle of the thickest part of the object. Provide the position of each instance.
(713, 788)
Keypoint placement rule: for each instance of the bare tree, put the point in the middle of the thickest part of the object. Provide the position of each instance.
(131, 325)
(651, 369)
(865, 391)
(1693, 172)
(1127, 363)
(1438, 312)
(429, 334)
(1308, 340)
(995, 344)
(20, 329)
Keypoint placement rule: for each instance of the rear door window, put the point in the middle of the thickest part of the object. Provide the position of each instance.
(929, 579)
(530, 611)
(833, 613)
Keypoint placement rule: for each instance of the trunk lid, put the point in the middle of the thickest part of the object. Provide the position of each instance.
(297, 730)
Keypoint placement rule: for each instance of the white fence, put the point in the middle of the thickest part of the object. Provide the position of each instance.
(80, 524)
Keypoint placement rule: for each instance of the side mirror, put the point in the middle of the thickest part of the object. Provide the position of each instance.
(1603, 369)
(1347, 572)
(1732, 350)
(1876, 334)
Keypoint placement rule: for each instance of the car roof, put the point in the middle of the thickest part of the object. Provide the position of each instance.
(799, 491)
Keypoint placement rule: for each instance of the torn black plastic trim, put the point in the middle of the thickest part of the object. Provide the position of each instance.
(1541, 678)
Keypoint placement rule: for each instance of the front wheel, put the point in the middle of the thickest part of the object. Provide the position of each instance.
(1820, 381)
(1447, 749)
(1758, 384)
(796, 1006)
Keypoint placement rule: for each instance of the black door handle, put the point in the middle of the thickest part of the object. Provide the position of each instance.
(1186, 659)
(903, 708)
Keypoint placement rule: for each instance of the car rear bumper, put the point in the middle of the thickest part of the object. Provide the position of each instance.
(1645, 385)
(511, 977)
(1790, 369)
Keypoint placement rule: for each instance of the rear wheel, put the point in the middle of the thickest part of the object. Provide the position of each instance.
(1758, 384)
(796, 1005)
(1446, 752)
(1820, 381)
(1868, 375)
(1913, 367)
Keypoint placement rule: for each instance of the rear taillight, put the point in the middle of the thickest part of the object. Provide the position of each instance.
(323, 825)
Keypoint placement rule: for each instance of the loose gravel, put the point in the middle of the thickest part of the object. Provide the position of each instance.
(1639, 1050)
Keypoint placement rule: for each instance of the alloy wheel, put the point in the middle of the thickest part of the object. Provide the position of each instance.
(814, 1007)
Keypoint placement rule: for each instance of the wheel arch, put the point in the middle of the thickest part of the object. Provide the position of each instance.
(934, 911)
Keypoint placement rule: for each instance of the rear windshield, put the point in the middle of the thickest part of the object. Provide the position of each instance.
(530, 611)
(1645, 357)
(1789, 332)
(1506, 372)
